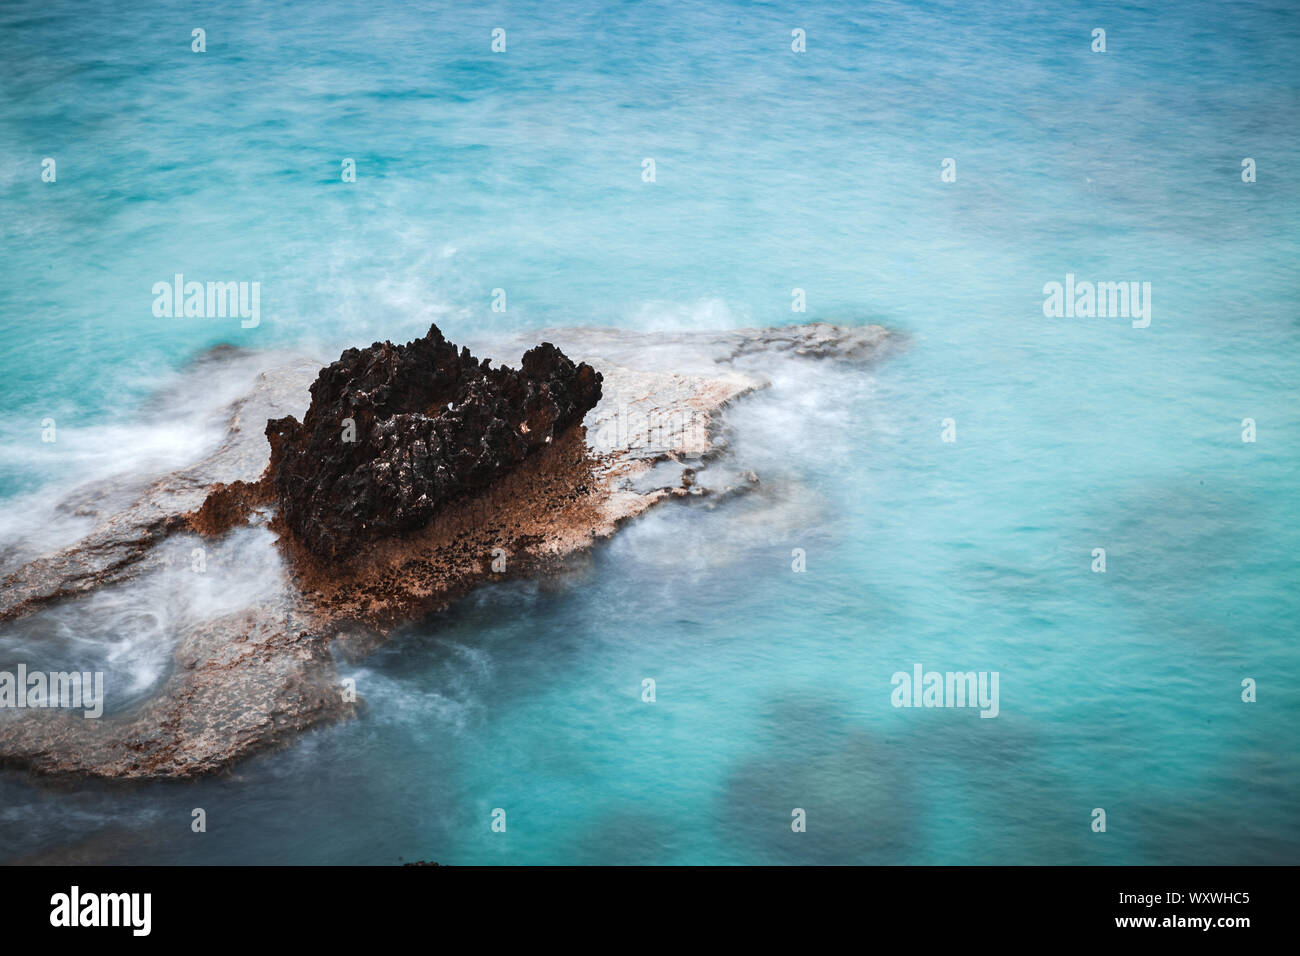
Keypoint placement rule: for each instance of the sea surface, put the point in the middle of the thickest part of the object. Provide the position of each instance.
(774, 171)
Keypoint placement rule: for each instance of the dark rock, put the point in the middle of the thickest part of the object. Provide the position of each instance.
(427, 423)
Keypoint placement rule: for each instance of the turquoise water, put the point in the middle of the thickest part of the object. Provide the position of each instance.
(774, 170)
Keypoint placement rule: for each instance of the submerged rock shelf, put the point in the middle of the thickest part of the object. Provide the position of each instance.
(415, 473)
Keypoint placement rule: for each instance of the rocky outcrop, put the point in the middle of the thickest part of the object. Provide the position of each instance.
(395, 432)
(247, 679)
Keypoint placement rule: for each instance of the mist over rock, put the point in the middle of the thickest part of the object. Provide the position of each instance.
(395, 432)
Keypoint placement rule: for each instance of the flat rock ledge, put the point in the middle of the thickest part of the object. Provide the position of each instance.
(536, 464)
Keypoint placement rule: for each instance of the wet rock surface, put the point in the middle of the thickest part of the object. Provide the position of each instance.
(244, 680)
(128, 518)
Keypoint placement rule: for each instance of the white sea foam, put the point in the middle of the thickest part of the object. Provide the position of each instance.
(698, 315)
(129, 631)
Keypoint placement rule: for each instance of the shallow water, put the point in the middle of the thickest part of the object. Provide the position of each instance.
(818, 171)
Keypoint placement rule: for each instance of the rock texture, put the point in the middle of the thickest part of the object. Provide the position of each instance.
(247, 679)
(395, 432)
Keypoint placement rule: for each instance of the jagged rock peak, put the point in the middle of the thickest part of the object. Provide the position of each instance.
(394, 433)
